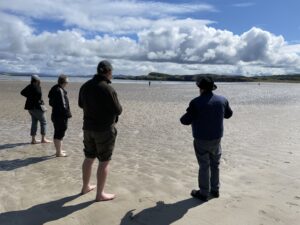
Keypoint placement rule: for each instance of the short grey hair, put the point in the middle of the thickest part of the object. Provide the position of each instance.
(62, 79)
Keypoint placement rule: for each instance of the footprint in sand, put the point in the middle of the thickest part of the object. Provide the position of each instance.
(262, 212)
(146, 199)
(292, 204)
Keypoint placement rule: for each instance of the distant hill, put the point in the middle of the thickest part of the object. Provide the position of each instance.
(217, 78)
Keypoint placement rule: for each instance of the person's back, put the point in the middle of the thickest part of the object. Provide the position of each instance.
(59, 102)
(206, 114)
(99, 103)
(101, 108)
(36, 108)
(208, 111)
(33, 95)
(61, 113)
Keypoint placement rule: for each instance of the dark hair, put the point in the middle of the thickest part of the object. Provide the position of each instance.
(62, 79)
(104, 67)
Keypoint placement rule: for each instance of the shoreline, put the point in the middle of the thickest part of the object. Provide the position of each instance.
(165, 78)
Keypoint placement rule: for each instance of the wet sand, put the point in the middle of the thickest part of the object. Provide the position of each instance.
(154, 167)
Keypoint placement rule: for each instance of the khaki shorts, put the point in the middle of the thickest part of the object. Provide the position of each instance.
(99, 144)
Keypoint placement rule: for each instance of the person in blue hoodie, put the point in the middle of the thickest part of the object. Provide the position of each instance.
(206, 114)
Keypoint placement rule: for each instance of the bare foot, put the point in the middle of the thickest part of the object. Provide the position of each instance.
(33, 142)
(105, 197)
(62, 154)
(88, 189)
(46, 141)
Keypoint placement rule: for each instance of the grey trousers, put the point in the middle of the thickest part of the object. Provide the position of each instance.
(208, 154)
(37, 115)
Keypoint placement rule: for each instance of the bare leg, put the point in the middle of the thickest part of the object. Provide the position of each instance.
(101, 178)
(86, 175)
(59, 152)
(45, 140)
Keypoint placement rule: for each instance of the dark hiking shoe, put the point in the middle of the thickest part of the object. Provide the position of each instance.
(215, 194)
(197, 194)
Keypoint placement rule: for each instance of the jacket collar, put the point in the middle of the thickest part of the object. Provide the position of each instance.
(57, 85)
(100, 77)
(207, 93)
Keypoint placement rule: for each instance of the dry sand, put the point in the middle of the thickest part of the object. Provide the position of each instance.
(154, 167)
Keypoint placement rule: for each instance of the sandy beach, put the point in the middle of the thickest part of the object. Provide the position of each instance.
(154, 167)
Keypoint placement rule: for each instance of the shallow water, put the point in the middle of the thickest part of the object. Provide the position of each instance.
(236, 93)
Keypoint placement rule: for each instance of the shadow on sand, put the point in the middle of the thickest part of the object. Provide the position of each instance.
(43, 213)
(8, 165)
(7, 146)
(161, 214)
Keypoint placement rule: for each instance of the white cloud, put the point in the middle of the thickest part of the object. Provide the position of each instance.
(163, 42)
(244, 4)
(125, 16)
(268, 49)
(14, 33)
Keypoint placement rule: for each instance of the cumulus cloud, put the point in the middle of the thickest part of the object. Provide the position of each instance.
(126, 16)
(206, 45)
(266, 48)
(14, 33)
(160, 42)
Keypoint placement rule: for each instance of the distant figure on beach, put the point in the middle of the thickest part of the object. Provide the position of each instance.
(36, 108)
(59, 102)
(149, 83)
(206, 113)
(101, 109)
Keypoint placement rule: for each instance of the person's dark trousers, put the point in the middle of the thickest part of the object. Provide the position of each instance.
(208, 153)
(60, 126)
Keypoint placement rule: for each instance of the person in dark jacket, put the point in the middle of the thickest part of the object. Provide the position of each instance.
(59, 102)
(206, 113)
(36, 108)
(101, 109)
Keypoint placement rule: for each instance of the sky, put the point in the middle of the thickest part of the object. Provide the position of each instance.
(230, 37)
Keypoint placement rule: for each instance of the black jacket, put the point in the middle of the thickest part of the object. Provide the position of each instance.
(100, 104)
(59, 102)
(33, 93)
